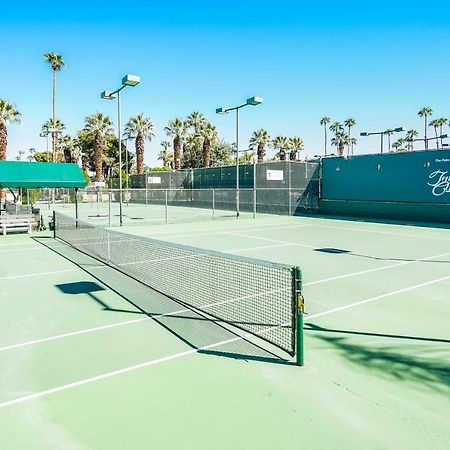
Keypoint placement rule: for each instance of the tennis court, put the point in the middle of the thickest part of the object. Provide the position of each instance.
(82, 366)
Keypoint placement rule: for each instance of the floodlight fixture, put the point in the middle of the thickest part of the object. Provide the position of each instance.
(131, 80)
(254, 101)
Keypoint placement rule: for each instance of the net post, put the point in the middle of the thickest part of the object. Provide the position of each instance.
(54, 224)
(76, 208)
(213, 203)
(299, 305)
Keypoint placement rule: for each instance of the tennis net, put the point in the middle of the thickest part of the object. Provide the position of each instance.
(256, 296)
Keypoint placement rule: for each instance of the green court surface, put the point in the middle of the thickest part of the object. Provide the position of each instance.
(82, 368)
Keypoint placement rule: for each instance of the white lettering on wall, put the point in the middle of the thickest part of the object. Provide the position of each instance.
(440, 182)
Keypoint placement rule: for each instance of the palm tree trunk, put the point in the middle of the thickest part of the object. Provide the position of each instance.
(340, 149)
(325, 128)
(389, 142)
(437, 140)
(426, 140)
(349, 137)
(54, 137)
(206, 153)
(84, 163)
(3, 141)
(177, 152)
(260, 152)
(98, 157)
(139, 144)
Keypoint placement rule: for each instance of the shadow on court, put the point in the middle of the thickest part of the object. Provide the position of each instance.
(340, 251)
(397, 362)
(196, 329)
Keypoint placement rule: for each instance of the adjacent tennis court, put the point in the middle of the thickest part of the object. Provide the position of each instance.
(93, 359)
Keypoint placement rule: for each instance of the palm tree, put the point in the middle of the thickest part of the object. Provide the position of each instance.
(340, 140)
(435, 124)
(324, 121)
(410, 135)
(389, 132)
(259, 139)
(31, 153)
(280, 143)
(99, 125)
(196, 120)
(210, 137)
(57, 63)
(398, 145)
(295, 145)
(425, 112)
(336, 127)
(176, 129)
(442, 121)
(55, 128)
(69, 149)
(142, 128)
(164, 155)
(349, 123)
(8, 114)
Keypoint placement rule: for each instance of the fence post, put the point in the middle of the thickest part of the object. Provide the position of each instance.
(289, 188)
(109, 207)
(167, 216)
(214, 203)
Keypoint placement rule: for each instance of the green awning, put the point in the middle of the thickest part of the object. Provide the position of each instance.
(15, 174)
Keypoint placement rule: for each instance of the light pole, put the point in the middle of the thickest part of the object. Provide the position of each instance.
(252, 101)
(127, 137)
(381, 133)
(127, 80)
(443, 136)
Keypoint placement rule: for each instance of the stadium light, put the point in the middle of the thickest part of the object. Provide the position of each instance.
(131, 81)
(252, 101)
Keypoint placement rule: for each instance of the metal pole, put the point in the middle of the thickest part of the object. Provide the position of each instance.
(382, 136)
(120, 157)
(128, 171)
(289, 185)
(109, 207)
(237, 162)
(76, 207)
(254, 185)
(213, 203)
(167, 216)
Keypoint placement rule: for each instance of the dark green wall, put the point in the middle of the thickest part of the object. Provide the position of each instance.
(416, 212)
(419, 177)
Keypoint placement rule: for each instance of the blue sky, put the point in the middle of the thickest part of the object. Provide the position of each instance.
(376, 61)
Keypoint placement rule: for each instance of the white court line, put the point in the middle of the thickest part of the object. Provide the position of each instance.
(390, 266)
(305, 223)
(272, 240)
(378, 297)
(40, 247)
(153, 362)
(362, 230)
(91, 330)
(38, 274)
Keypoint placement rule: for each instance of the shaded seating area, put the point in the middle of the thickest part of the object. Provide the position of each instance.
(31, 175)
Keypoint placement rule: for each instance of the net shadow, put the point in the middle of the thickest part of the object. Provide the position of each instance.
(207, 335)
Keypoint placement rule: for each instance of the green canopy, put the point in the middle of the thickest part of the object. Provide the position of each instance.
(15, 174)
